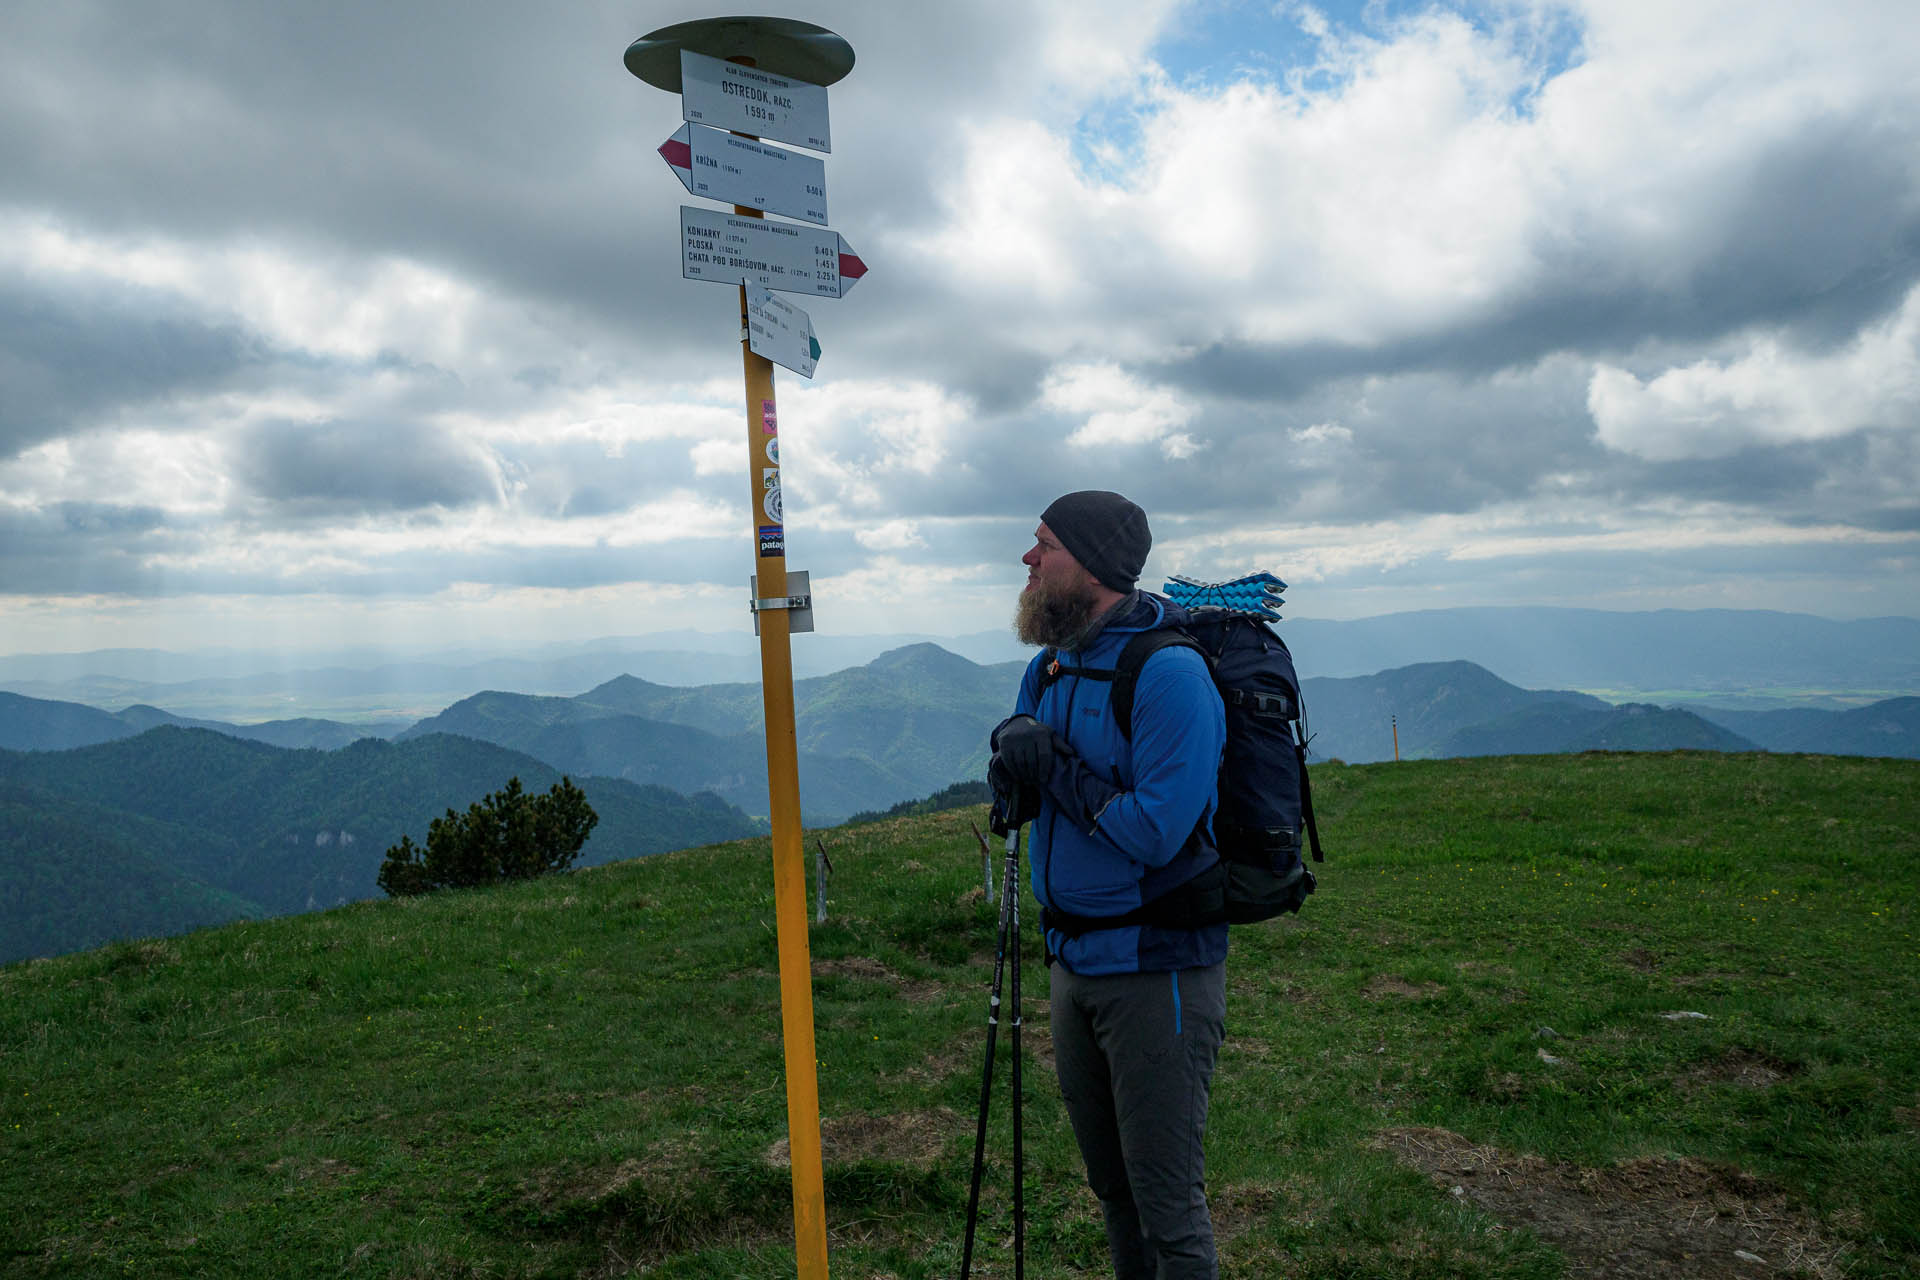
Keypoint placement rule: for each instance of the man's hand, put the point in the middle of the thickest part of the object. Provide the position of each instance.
(1014, 805)
(1024, 751)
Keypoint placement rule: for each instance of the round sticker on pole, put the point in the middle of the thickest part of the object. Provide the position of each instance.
(772, 505)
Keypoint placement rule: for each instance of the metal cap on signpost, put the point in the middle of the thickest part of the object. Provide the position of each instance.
(785, 46)
(729, 111)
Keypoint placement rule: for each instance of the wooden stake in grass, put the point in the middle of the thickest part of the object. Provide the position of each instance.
(822, 868)
(986, 862)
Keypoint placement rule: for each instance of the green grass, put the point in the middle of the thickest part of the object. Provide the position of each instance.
(583, 1075)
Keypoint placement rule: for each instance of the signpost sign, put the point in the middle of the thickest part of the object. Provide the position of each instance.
(781, 332)
(726, 249)
(740, 171)
(729, 96)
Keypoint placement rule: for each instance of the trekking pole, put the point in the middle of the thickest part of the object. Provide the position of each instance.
(1012, 892)
(1008, 905)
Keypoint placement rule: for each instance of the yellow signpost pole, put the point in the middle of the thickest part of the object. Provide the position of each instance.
(783, 797)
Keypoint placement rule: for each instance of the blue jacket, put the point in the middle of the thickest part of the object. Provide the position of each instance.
(1122, 823)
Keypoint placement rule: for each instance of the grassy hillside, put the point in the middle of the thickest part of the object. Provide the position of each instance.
(1476, 1054)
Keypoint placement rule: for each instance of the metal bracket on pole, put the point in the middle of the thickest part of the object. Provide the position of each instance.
(798, 602)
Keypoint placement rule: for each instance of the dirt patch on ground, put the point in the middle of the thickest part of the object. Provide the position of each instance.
(320, 1173)
(1235, 1209)
(1384, 985)
(1640, 1220)
(912, 1138)
(1703, 979)
(1482, 966)
(1742, 1067)
(871, 970)
(1641, 960)
(1267, 988)
(968, 1053)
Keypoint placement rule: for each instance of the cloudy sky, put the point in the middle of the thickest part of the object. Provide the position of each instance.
(343, 322)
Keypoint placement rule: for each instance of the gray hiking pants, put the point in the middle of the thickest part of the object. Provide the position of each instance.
(1135, 1055)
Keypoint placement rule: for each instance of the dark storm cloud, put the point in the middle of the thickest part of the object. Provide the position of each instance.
(471, 137)
(84, 548)
(343, 466)
(505, 143)
(72, 358)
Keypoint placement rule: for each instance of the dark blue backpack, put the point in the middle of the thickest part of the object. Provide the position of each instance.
(1264, 821)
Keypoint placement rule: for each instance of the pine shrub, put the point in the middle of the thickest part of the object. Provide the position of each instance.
(508, 836)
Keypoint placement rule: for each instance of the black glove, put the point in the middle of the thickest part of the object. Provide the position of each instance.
(1014, 805)
(1024, 748)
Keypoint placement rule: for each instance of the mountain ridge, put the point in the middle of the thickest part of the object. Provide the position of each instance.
(279, 830)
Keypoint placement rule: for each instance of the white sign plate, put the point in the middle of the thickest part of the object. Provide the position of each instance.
(740, 171)
(781, 332)
(727, 95)
(726, 249)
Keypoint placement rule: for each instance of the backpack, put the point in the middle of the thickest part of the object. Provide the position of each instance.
(1266, 802)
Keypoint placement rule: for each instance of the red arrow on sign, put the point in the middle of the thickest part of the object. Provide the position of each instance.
(677, 153)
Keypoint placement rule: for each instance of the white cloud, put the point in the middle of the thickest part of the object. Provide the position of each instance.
(294, 295)
(1770, 394)
(848, 445)
(1094, 46)
(894, 535)
(1118, 408)
(182, 475)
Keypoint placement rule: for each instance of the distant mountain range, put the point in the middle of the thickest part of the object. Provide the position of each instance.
(1743, 659)
(1735, 653)
(176, 828)
(1887, 728)
(906, 724)
(1441, 709)
(915, 719)
(40, 724)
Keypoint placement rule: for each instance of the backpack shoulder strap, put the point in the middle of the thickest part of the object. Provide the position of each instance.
(1125, 672)
(1126, 669)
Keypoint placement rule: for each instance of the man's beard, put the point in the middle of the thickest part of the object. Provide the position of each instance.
(1053, 616)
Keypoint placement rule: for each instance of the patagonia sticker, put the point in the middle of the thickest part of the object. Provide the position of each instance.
(773, 540)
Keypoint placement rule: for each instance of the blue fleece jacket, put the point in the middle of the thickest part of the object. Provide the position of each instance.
(1123, 822)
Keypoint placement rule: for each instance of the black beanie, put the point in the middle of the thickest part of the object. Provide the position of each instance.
(1104, 532)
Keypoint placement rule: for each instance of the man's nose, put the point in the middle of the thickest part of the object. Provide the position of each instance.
(1032, 558)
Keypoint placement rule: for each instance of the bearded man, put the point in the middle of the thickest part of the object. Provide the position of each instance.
(1122, 836)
